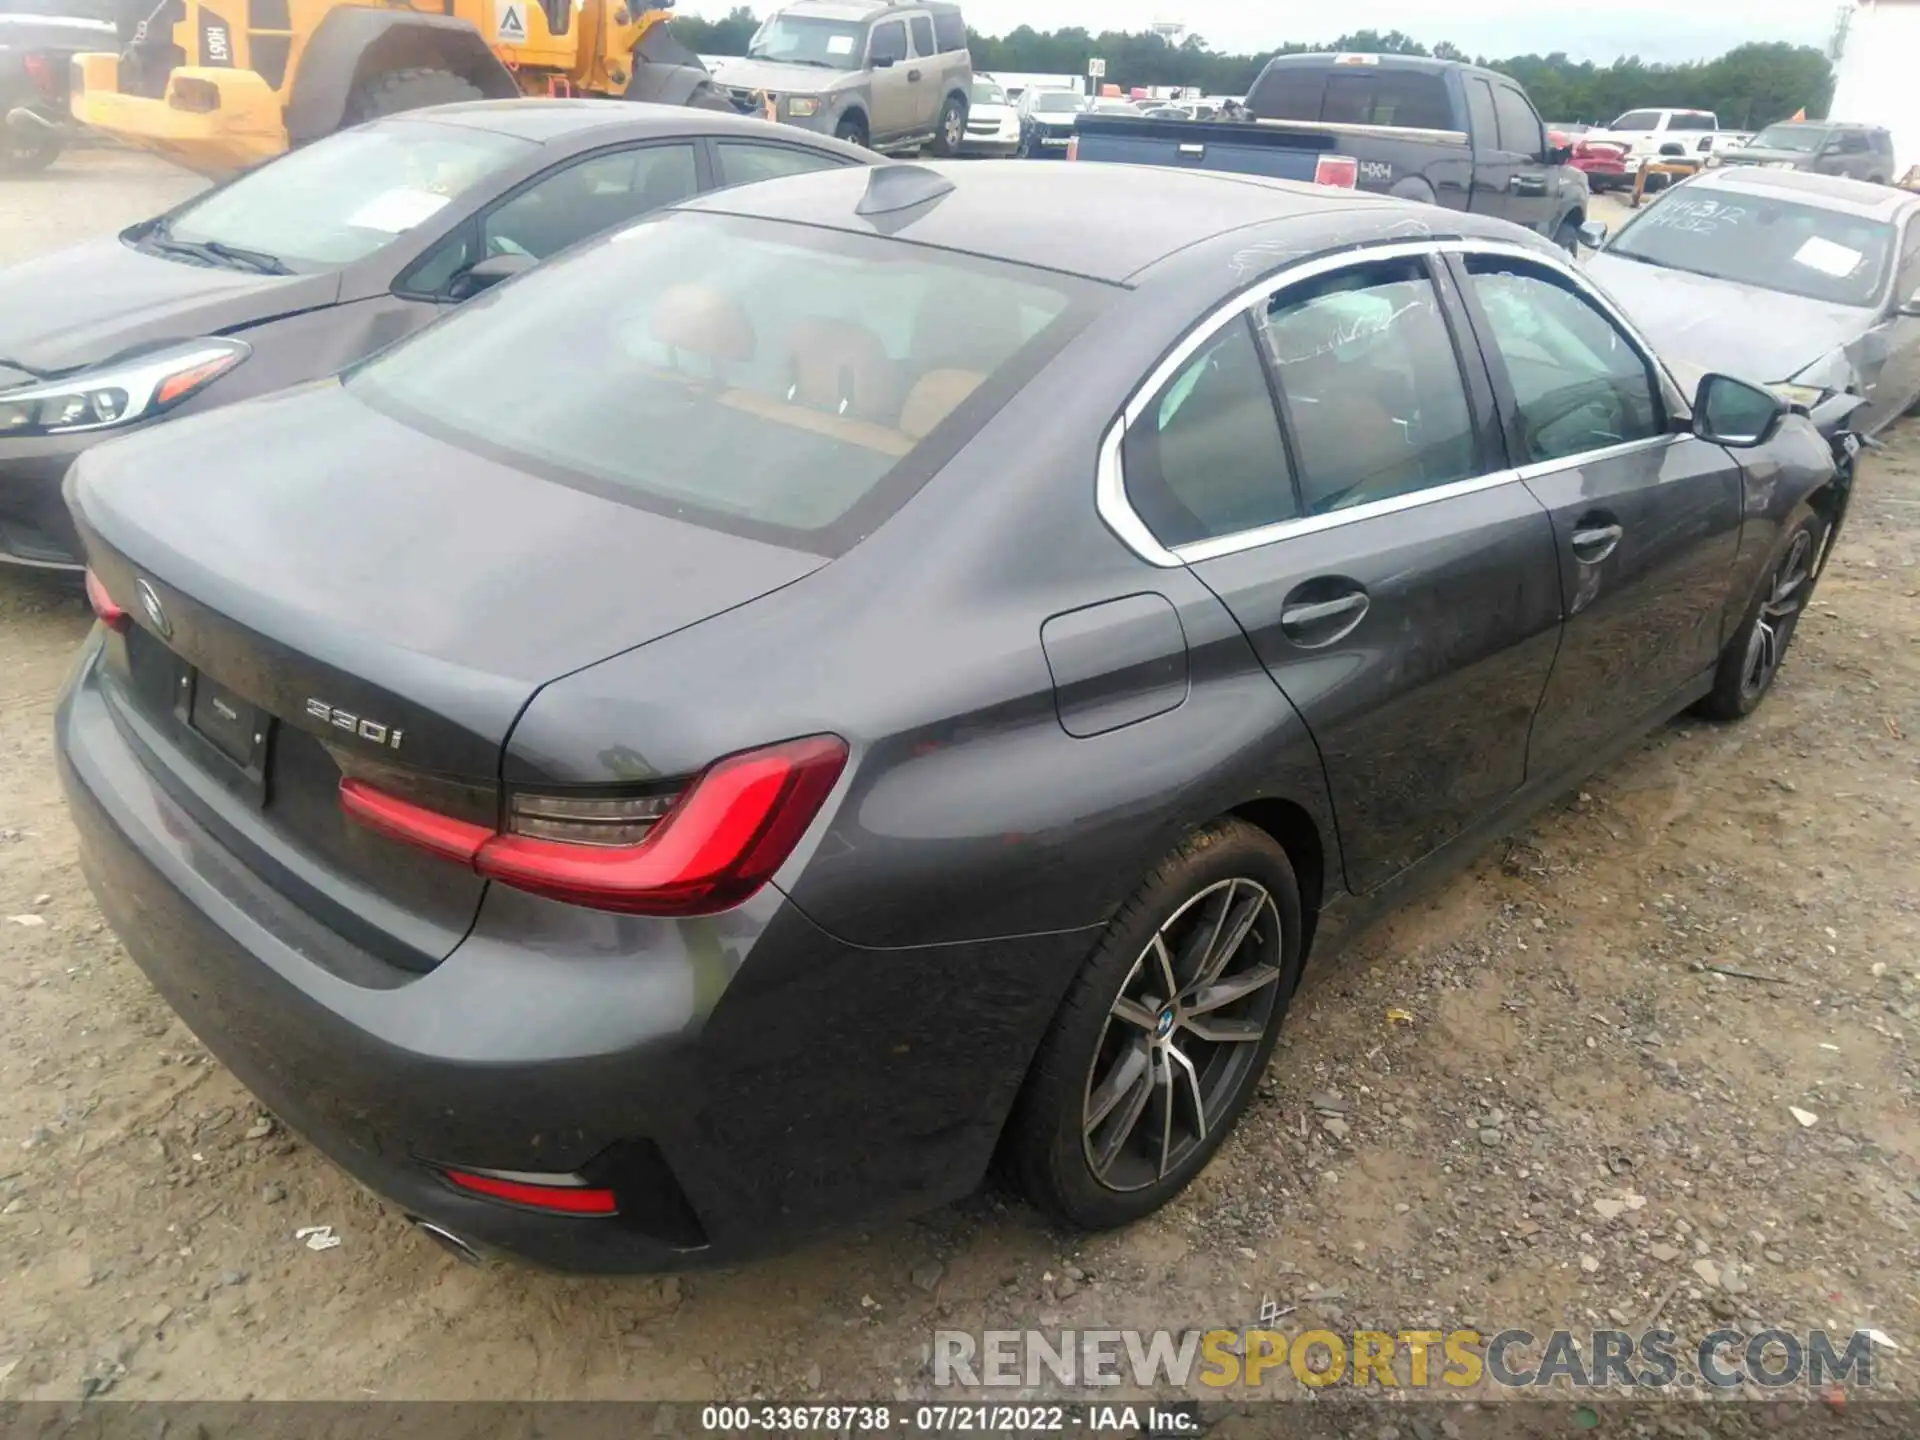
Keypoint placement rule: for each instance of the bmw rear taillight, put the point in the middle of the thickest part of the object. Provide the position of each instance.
(104, 609)
(695, 851)
(1340, 171)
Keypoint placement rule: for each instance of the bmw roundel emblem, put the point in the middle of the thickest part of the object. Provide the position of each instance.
(150, 602)
(1163, 1026)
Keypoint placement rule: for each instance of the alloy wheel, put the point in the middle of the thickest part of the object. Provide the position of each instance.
(1786, 596)
(956, 126)
(1182, 1036)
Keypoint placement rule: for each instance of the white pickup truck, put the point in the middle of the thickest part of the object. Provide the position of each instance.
(1645, 133)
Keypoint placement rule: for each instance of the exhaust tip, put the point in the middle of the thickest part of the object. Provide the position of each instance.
(446, 1240)
(28, 122)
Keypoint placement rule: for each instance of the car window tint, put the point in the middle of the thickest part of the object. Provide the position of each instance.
(1205, 458)
(587, 197)
(743, 162)
(1480, 114)
(1690, 122)
(1366, 96)
(950, 30)
(889, 41)
(1519, 126)
(922, 35)
(1852, 142)
(1578, 382)
(781, 381)
(1371, 384)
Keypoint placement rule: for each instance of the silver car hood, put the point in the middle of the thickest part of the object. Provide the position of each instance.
(781, 78)
(1740, 330)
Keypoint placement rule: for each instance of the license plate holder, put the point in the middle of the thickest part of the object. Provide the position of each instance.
(235, 730)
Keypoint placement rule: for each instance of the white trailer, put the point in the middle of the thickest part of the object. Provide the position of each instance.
(1877, 75)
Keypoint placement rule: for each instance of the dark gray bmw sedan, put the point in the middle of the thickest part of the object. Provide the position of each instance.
(739, 726)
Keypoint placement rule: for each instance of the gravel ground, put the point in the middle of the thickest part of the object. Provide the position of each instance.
(1527, 1101)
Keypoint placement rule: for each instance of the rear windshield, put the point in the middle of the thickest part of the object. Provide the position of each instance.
(344, 197)
(1774, 244)
(785, 382)
(1058, 102)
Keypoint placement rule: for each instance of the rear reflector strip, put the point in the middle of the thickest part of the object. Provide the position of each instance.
(563, 1199)
(104, 610)
(720, 841)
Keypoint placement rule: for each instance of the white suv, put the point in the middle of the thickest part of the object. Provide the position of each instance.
(993, 120)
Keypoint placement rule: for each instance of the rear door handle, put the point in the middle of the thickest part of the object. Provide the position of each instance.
(1595, 538)
(1312, 623)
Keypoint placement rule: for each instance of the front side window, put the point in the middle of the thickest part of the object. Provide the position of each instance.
(1578, 382)
(1375, 404)
(774, 380)
(889, 44)
(1519, 127)
(1795, 139)
(1691, 120)
(809, 40)
(1755, 239)
(585, 198)
(1206, 459)
(1852, 142)
(343, 198)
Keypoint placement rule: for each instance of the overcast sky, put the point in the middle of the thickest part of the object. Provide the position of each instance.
(1652, 29)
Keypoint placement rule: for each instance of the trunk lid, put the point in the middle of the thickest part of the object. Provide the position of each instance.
(381, 603)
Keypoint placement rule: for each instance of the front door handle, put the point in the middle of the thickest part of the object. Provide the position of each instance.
(1595, 538)
(913, 74)
(1311, 621)
(1528, 185)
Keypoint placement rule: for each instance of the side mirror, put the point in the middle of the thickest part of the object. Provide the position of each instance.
(1909, 306)
(883, 62)
(1593, 234)
(1731, 412)
(487, 273)
(1559, 154)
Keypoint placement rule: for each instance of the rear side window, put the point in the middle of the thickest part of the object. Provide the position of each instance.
(1691, 122)
(950, 31)
(1289, 92)
(1206, 459)
(1365, 95)
(922, 35)
(1371, 385)
(1520, 130)
(1480, 114)
(1578, 382)
(1637, 120)
(782, 382)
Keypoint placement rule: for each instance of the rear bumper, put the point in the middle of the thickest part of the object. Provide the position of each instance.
(241, 128)
(740, 1082)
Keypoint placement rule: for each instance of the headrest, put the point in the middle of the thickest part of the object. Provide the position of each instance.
(703, 320)
(843, 369)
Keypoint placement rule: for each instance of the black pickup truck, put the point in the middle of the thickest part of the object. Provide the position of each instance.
(1433, 130)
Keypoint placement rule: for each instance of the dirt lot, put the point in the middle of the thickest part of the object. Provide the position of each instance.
(1577, 1124)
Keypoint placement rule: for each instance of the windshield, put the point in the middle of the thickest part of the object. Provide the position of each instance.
(808, 40)
(985, 92)
(778, 381)
(344, 197)
(1756, 240)
(1058, 102)
(1804, 139)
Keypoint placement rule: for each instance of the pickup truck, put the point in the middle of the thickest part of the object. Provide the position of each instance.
(1647, 134)
(1432, 130)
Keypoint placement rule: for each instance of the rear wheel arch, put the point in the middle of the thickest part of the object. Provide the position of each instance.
(1293, 828)
(354, 47)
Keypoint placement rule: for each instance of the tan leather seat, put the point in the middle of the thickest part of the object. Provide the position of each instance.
(843, 369)
(934, 397)
(703, 321)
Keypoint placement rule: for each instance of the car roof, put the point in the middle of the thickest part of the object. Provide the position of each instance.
(1829, 192)
(1105, 222)
(546, 121)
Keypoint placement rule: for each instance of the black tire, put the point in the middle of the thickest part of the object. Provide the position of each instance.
(1752, 659)
(952, 128)
(414, 89)
(851, 129)
(1657, 183)
(26, 154)
(1049, 1144)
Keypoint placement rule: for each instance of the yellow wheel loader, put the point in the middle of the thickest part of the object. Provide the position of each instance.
(218, 85)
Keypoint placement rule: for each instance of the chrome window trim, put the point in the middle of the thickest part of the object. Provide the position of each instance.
(1110, 487)
(1539, 469)
(1213, 549)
